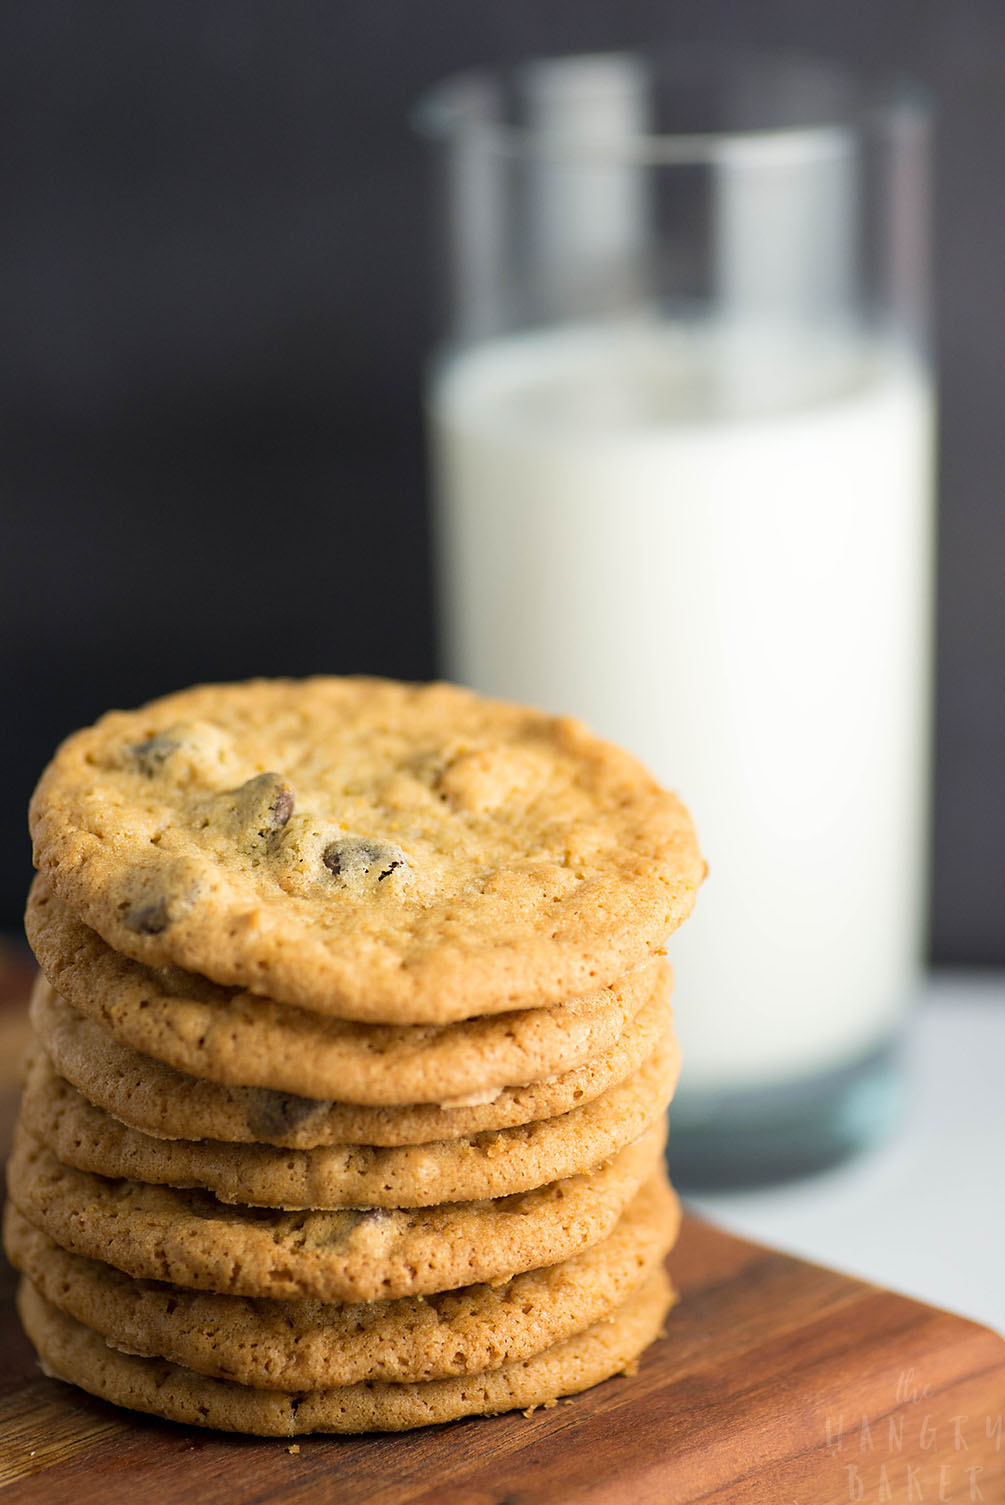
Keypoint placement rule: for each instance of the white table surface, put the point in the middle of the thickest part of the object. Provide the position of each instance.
(923, 1213)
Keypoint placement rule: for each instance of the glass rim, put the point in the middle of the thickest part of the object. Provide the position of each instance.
(443, 112)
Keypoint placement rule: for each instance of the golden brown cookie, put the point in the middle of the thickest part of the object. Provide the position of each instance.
(377, 851)
(494, 1164)
(168, 1104)
(191, 1239)
(72, 1352)
(298, 1345)
(236, 1038)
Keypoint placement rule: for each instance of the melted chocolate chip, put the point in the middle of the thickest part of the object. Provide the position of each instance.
(151, 756)
(262, 806)
(282, 807)
(272, 1113)
(149, 919)
(152, 901)
(356, 857)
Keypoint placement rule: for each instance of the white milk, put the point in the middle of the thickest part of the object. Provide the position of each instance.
(714, 546)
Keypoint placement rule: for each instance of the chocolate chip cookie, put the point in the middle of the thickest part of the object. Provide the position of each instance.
(383, 852)
(168, 1104)
(192, 1239)
(70, 1351)
(299, 1345)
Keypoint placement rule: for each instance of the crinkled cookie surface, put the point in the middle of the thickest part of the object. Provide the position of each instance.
(378, 851)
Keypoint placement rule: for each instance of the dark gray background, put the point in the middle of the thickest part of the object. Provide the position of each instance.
(215, 294)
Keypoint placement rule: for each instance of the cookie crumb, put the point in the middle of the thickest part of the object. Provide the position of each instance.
(294, 1447)
(632, 1367)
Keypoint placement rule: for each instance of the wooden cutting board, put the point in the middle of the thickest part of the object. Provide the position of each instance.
(778, 1383)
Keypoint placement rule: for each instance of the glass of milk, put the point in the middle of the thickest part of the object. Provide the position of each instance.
(682, 439)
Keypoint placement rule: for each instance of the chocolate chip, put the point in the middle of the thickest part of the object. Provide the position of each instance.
(282, 807)
(271, 1114)
(154, 753)
(149, 919)
(154, 900)
(261, 807)
(356, 857)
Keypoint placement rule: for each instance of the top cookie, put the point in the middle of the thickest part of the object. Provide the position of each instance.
(380, 851)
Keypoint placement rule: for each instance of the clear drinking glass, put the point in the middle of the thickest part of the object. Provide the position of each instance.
(681, 426)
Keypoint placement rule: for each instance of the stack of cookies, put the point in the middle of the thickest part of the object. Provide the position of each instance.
(345, 1109)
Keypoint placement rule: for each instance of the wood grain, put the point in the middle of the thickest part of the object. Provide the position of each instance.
(778, 1383)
